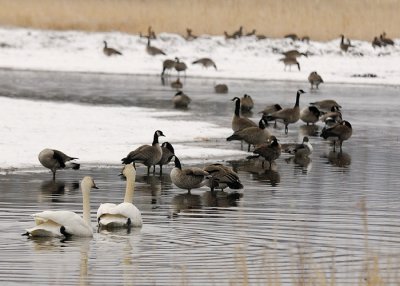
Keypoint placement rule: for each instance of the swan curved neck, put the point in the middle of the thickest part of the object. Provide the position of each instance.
(130, 189)
(86, 205)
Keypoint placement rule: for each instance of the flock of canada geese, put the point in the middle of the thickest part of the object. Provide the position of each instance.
(262, 142)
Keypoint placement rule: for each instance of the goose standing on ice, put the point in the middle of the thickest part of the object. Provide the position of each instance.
(288, 115)
(290, 62)
(310, 114)
(151, 50)
(125, 214)
(315, 79)
(66, 223)
(180, 66)
(110, 51)
(205, 62)
(221, 88)
(54, 160)
(222, 177)
(246, 103)
(181, 100)
(167, 65)
(187, 178)
(269, 151)
(146, 154)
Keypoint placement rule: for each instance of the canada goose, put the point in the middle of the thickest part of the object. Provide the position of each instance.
(340, 131)
(386, 41)
(167, 153)
(315, 79)
(345, 46)
(325, 104)
(221, 177)
(151, 34)
(238, 33)
(181, 100)
(246, 103)
(305, 39)
(110, 51)
(125, 214)
(310, 114)
(238, 122)
(302, 150)
(66, 223)
(205, 62)
(177, 84)
(294, 54)
(288, 115)
(377, 42)
(153, 51)
(269, 151)
(252, 33)
(180, 66)
(290, 62)
(167, 65)
(187, 178)
(271, 109)
(146, 154)
(189, 35)
(221, 88)
(252, 135)
(227, 36)
(334, 116)
(54, 160)
(293, 37)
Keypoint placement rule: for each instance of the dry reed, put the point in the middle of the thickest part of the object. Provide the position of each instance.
(321, 20)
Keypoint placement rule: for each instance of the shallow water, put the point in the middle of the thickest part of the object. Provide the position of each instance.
(298, 221)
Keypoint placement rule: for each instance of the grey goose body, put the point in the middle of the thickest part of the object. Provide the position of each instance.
(288, 115)
(205, 62)
(221, 177)
(310, 114)
(148, 155)
(326, 104)
(339, 132)
(269, 151)
(315, 79)
(303, 149)
(246, 103)
(181, 100)
(110, 51)
(153, 51)
(221, 88)
(289, 62)
(56, 160)
(294, 54)
(187, 178)
(167, 66)
(167, 154)
(180, 66)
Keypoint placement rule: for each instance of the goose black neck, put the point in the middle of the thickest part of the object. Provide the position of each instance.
(297, 99)
(155, 139)
(105, 44)
(148, 41)
(178, 163)
(237, 107)
(261, 124)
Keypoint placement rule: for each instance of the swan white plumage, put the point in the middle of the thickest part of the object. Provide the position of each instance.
(125, 214)
(66, 223)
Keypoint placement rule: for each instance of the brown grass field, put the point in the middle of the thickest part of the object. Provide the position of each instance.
(319, 19)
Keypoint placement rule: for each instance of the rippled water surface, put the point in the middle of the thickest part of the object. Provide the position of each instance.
(335, 217)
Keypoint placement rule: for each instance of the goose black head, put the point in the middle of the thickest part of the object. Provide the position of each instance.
(169, 147)
(159, 133)
(305, 139)
(314, 110)
(105, 44)
(179, 93)
(235, 98)
(346, 123)
(300, 91)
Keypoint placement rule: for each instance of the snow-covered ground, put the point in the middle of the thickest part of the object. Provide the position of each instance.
(87, 132)
(243, 58)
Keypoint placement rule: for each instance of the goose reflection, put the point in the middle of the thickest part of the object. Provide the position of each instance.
(304, 163)
(186, 201)
(57, 188)
(152, 185)
(339, 159)
(309, 130)
(270, 176)
(221, 198)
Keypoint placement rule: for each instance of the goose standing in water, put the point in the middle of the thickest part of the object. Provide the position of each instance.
(315, 79)
(288, 115)
(125, 214)
(168, 153)
(252, 135)
(110, 51)
(302, 150)
(239, 122)
(205, 62)
(181, 100)
(269, 151)
(246, 103)
(270, 109)
(66, 223)
(222, 177)
(146, 154)
(55, 160)
(339, 132)
(310, 114)
(187, 178)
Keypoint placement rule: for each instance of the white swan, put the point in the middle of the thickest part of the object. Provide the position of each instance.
(125, 214)
(66, 223)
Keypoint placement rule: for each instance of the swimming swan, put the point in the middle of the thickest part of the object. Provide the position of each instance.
(125, 214)
(66, 223)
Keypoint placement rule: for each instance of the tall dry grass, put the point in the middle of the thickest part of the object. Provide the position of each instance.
(319, 19)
